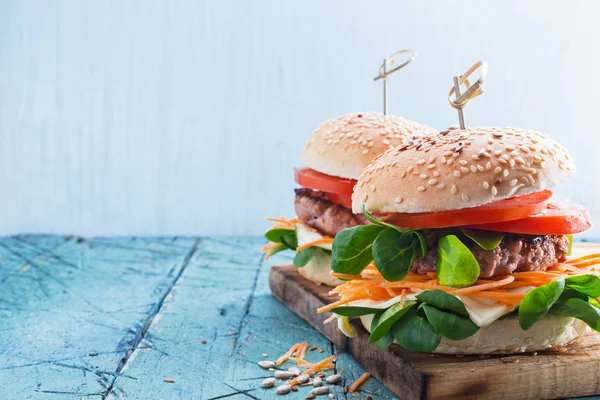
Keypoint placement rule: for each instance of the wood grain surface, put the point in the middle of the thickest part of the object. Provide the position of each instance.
(425, 376)
(121, 318)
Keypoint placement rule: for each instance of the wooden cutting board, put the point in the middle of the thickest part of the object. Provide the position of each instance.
(575, 372)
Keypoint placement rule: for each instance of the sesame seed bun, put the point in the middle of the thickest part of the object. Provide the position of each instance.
(505, 336)
(345, 145)
(460, 169)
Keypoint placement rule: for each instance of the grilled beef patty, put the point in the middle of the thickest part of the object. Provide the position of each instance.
(313, 208)
(515, 253)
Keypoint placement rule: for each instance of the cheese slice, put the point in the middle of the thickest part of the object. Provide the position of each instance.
(381, 304)
(345, 327)
(306, 235)
(482, 312)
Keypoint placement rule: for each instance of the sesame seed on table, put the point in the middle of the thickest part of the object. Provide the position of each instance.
(149, 318)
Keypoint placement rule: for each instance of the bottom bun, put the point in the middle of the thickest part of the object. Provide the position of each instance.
(505, 336)
(318, 270)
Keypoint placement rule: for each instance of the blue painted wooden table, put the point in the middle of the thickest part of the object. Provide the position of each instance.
(115, 317)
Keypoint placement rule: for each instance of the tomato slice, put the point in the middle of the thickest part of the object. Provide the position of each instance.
(559, 218)
(341, 199)
(498, 211)
(309, 178)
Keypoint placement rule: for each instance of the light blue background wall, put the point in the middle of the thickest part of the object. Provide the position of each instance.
(186, 117)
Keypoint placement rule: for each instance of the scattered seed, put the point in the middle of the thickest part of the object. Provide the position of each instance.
(302, 379)
(284, 389)
(268, 383)
(310, 397)
(317, 382)
(311, 348)
(320, 390)
(333, 379)
(294, 389)
(321, 374)
(331, 396)
(169, 380)
(284, 375)
(266, 364)
(265, 355)
(320, 350)
(204, 341)
(294, 370)
(271, 369)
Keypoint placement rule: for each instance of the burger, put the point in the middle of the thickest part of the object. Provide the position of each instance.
(466, 251)
(335, 155)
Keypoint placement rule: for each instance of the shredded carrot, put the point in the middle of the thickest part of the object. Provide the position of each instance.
(325, 240)
(570, 267)
(359, 382)
(502, 297)
(301, 362)
(402, 296)
(287, 355)
(336, 304)
(345, 276)
(306, 364)
(283, 221)
(584, 258)
(316, 367)
(485, 286)
(268, 249)
(330, 319)
(585, 263)
(370, 284)
(301, 350)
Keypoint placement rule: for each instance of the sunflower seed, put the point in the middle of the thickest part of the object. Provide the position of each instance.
(268, 383)
(321, 374)
(266, 364)
(284, 389)
(317, 382)
(294, 370)
(302, 379)
(333, 379)
(320, 390)
(284, 375)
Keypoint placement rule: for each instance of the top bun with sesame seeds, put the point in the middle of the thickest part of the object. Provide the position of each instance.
(345, 145)
(461, 168)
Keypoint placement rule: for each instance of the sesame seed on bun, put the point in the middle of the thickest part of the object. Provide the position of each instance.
(461, 168)
(345, 145)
